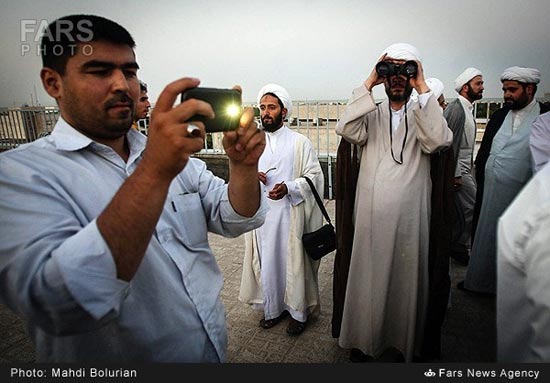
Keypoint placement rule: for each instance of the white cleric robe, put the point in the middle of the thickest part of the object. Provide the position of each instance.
(277, 274)
(507, 170)
(523, 293)
(386, 293)
(539, 142)
(466, 194)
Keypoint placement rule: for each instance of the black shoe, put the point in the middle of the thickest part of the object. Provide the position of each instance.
(295, 327)
(268, 323)
(358, 356)
(461, 257)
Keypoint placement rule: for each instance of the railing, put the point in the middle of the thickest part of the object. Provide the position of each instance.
(21, 125)
(314, 119)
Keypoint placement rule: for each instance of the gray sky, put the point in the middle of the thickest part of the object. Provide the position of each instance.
(317, 50)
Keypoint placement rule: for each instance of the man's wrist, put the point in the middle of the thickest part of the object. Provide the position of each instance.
(368, 85)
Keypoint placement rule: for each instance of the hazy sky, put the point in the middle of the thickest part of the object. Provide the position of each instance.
(316, 49)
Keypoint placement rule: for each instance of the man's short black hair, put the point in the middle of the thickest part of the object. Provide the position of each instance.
(60, 39)
(142, 87)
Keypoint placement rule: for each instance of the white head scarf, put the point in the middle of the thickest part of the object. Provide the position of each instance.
(435, 85)
(281, 94)
(402, 51)
(465, 77)
(525, 75)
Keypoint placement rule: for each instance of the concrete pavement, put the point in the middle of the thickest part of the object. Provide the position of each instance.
(468, 331)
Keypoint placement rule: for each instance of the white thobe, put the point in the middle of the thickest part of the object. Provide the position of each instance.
(539, 142)
(466, 194)
(387, 287)
(466, 149)
(523, 294)
(507, 170)
(277, 274)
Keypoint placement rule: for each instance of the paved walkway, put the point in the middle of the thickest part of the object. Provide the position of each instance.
(468, 332)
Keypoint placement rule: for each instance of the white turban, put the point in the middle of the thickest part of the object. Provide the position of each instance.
(465, 77)
(525, 75)
(402, 51)
(436, 86)
(281, 94)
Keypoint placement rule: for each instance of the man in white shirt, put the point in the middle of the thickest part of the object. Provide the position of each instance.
(104, 242)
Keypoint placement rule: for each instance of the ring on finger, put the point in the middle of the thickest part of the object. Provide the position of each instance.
(193, 130)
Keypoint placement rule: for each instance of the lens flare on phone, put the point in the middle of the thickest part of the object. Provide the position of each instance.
(233, 110)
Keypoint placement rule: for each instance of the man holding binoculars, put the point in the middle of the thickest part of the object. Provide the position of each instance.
(387, 288)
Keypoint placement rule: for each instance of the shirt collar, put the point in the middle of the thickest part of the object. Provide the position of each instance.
(466, 102)
(278, 132)
(67, 138)
(409, 103)
(527, 108)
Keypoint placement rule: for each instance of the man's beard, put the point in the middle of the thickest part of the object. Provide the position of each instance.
(276, 123)
(401, 96)
(123, 121)
(473, 96)
(518, 104)
(101, 123)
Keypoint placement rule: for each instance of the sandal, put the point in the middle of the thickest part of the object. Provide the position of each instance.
(295, 327)
(268, 323)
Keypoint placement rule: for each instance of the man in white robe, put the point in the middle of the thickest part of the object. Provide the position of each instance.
(386, 294)
(523, 298)
(504, 166)
(278, 276)
(460, 118)
(539, 142)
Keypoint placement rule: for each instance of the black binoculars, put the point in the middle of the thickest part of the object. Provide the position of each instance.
(385, 69)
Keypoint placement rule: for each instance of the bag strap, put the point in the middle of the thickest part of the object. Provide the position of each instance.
(318, 199)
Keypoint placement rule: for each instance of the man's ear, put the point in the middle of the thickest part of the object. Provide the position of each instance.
(284, 112)
(51, 81)
(530, 89)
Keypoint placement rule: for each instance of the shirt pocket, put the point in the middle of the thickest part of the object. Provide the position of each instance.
(190, 218)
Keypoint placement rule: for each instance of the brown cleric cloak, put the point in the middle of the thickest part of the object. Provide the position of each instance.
(441, 223)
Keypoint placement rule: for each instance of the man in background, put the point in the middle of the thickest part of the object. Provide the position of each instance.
(461, 120)
(523, 295)
(386, 297)
(142, 106)
(503, 166)
(539, 142)
(278, 277)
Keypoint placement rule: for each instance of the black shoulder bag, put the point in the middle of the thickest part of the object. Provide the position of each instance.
(322, 241)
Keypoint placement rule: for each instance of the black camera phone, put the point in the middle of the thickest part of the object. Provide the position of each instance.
(227, 105)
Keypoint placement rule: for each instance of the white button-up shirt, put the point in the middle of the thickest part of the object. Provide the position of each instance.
(57, 271)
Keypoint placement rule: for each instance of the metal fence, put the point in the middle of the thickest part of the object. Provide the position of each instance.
(314, 119)
(21, 125)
